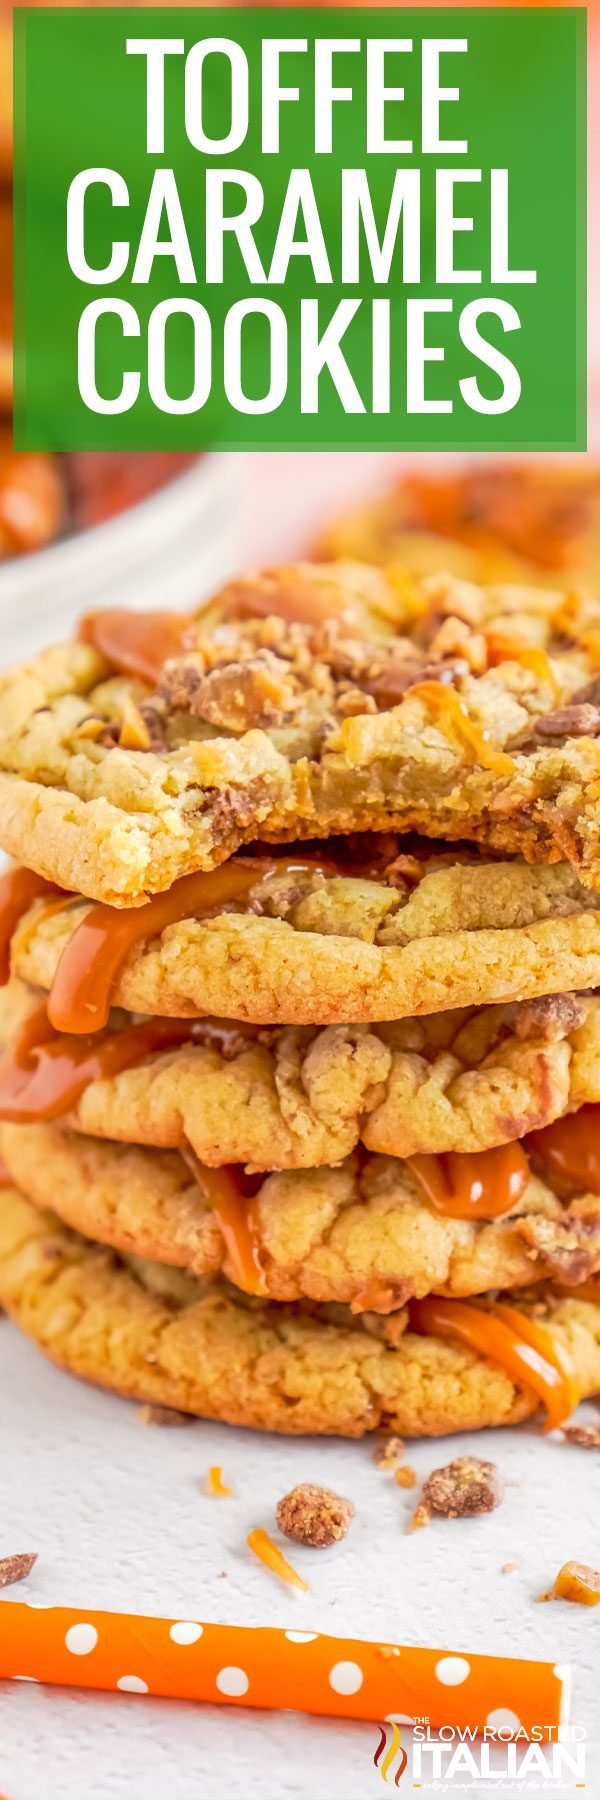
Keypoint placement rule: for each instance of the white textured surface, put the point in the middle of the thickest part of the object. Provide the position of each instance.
(119, 1517)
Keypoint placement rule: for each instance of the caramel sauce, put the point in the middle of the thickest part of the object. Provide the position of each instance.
(6, 1179)
(81, 991)
(18, 890)
(452, 713)
(519, 1344)
(43, 1073)
(230, 1196)
(506, 649)
(570, 1147)
(582, 1290)
(136, 643)
(481, 1185)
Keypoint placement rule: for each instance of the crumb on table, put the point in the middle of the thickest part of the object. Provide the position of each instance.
(576, 1581)
(314, 1515)
(463, 1488)
(405, 1476)
(587, 1437)
(16, 1568)
(388, 1453)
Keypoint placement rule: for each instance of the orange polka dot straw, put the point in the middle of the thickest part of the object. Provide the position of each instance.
(268, 1667)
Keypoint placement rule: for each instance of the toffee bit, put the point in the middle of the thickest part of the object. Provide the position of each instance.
(569, 721)
(405, 1476)
(16, 1568)
(91, 727)
(578, 1582)
(508, 1568)
(551, 1016)
(421, 1517)
(273, 1558)
(587, 1437)
(164, 1415)
(314, 1515)
(387, 1454)
(215, 1485)
(463, 1488)
(133, 730)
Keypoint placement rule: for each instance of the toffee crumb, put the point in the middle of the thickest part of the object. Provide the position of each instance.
(314, 1515)
(463, 1488)
(16, 1568)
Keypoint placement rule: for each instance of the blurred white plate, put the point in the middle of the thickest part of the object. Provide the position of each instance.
(170, 550)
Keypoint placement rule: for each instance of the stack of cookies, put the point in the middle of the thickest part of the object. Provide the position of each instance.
(300, 1085)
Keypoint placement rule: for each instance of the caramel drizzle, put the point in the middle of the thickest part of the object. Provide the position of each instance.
(570, 1147)
(451, 710)
(18, 890)
(474, 1185)
(513, 1340)
(43, 1073)
(136, 643)
(506, 649)
(91, 961)
(231, 1198)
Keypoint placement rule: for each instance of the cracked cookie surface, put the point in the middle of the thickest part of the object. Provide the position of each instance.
(438, 930)
(359, 703)
(297, 1097)
(364, 1235)
(131, 1328)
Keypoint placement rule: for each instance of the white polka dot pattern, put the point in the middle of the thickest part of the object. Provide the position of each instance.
(275, 1667)
(502, 1719)
(451, 1670)
(345, 1678)
(80, 1639)
(185, 1631)
(233, 1682)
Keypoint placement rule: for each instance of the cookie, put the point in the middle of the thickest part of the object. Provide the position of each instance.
(517, 523)
(450, 710)
(364, 1235)
(297, 1097)
(428, 935)
(196, 1348)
